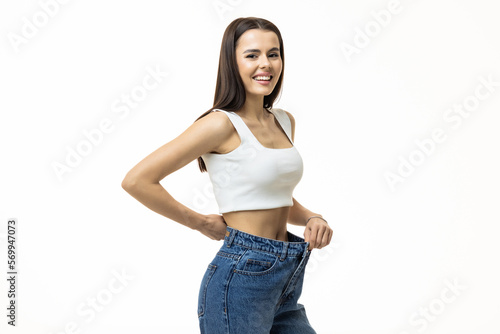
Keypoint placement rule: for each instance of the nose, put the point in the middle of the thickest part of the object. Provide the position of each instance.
(265, 62)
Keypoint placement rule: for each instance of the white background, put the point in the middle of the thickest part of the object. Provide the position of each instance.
(394, 251)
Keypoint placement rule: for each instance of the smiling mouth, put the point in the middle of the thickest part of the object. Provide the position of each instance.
(263, 78)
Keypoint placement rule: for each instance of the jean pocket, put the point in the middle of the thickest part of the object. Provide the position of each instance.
(257, 263)
(202, 296)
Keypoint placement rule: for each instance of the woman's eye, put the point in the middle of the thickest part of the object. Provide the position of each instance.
(273, 54)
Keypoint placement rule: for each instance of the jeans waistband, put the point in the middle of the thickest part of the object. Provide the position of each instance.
(295, 246)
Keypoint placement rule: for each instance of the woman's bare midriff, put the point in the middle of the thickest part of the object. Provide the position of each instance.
(270, 223)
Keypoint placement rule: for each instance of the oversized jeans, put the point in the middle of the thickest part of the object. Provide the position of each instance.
(252, 285)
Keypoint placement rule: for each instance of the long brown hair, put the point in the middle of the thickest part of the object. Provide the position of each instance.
(230, 92)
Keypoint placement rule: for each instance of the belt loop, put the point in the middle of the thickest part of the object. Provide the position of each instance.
(231, 237)
(284, 252)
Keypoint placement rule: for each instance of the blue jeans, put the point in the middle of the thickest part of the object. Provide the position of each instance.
(252, 286)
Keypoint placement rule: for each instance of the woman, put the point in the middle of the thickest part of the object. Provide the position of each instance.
(253, 283)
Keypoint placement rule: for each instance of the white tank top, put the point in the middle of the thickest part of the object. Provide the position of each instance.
(254, 177)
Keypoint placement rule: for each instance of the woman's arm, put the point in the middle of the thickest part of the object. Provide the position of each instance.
(143, 181)
(298, 214)
(317, 231)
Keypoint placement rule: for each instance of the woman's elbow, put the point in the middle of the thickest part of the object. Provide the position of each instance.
(129, 182)
(133, 181)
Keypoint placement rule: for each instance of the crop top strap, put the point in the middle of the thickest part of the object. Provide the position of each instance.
(243, 131)
(284, 121)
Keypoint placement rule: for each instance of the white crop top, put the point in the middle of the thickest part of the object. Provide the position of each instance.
(254, 177)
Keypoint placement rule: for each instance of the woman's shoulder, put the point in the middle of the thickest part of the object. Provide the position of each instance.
(216, 123)
(218, 117)
(290, 116)
(283, 112)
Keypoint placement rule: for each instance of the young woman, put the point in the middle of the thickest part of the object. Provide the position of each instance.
(253, 283)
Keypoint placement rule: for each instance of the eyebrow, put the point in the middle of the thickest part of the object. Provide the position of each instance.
(257, 50)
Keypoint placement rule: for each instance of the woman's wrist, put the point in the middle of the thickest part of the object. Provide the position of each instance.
(316, 216)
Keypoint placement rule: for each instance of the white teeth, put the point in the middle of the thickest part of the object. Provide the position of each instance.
(262, 78)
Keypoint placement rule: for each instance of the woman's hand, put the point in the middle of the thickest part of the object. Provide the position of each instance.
(214, 227)
(318, 233)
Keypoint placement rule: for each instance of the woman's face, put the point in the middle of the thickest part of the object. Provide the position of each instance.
(257, 51)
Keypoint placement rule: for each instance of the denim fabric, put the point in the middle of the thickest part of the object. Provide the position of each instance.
(252, 285)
